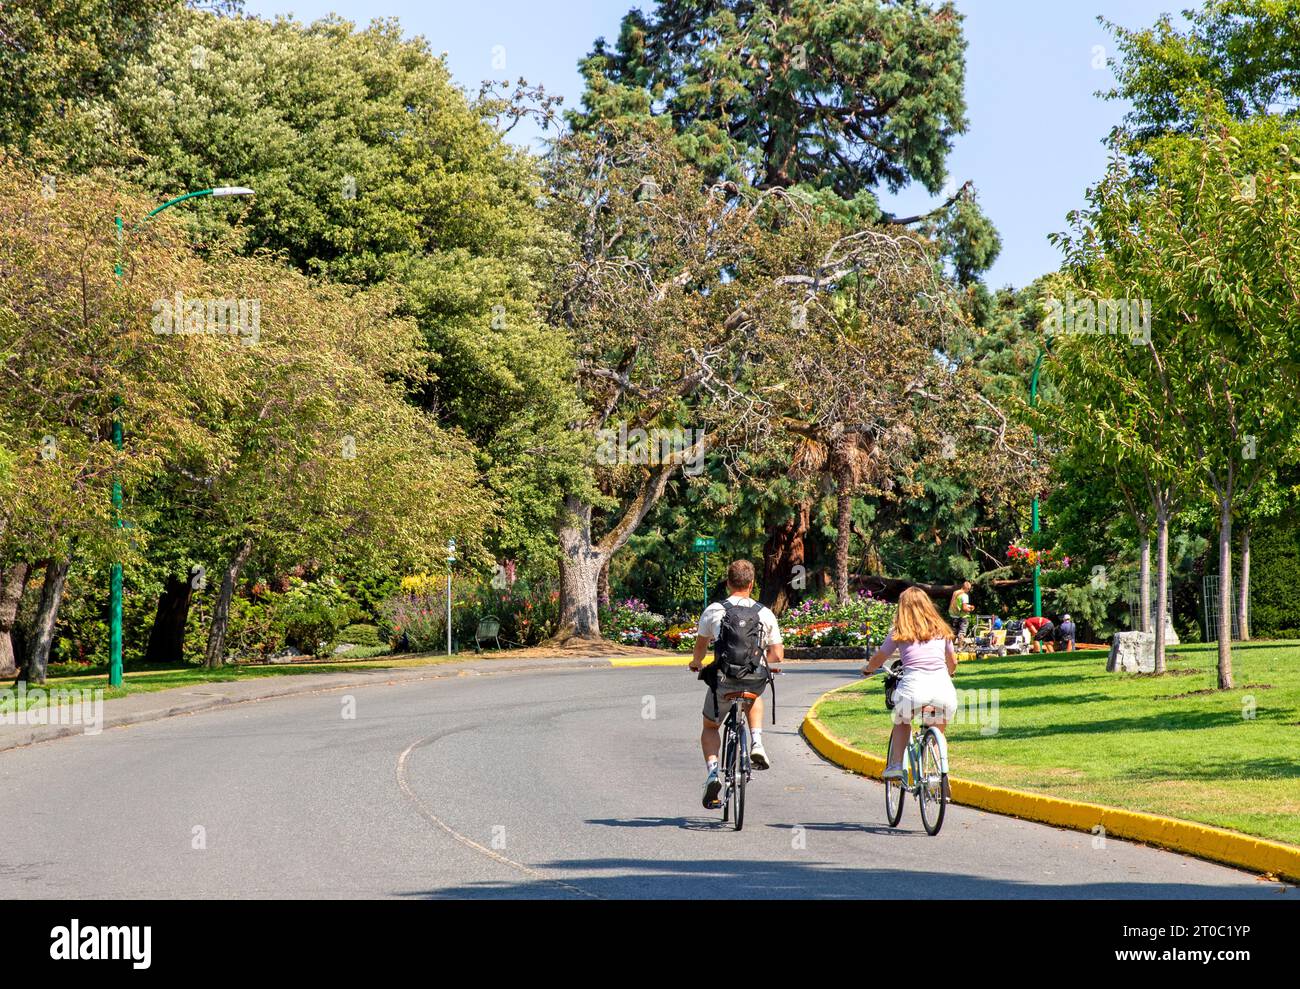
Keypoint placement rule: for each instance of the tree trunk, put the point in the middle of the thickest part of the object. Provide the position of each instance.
(215, 656)
(12, 582)
(580, 565)
(1144, 578)
(602, 585)
(56, 575)
(167, 637)
(843, 527)
(1162, 572)
(786, 548)
(1243, 589)
(1225, 592)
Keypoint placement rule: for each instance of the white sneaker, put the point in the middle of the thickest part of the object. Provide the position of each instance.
(758, 758)
(712, 787)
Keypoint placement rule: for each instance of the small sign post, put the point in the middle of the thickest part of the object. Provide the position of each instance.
(705, 545)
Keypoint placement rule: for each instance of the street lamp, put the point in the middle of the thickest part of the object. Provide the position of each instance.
(115, 574)
(1033, 403)
(451, 559)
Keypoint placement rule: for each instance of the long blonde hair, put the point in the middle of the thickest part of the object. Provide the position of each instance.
(917, 620)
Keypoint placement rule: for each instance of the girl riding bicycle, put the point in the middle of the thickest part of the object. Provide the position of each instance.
(924, 642)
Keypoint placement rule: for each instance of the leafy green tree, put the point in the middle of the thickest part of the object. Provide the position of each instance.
(1245, 50)
(835, 99)
(1212, 244)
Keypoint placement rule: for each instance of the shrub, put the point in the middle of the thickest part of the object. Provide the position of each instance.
(313, 613)
(360, 635)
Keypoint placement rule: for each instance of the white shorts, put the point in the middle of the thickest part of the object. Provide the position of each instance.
(925, 688)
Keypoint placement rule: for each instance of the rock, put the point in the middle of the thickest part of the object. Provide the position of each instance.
(1171, 637)
(343, 647)
(1132, 652)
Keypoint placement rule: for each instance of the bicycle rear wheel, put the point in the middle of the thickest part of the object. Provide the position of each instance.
(931, 784)
(894, 792)
(728, 746)
(739, 771)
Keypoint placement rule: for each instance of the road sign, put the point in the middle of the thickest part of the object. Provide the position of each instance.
(705, 544)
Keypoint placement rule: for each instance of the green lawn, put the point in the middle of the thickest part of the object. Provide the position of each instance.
(1169, 745)
(154, 679)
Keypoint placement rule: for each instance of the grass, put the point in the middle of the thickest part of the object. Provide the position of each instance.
(165, 678)
(1171, 745)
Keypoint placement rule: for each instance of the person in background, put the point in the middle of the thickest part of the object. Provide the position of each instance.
(997, 623)
(959, 608)
(1065, 633)
(1035, 626)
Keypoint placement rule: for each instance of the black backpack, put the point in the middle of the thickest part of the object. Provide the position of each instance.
(739, 653)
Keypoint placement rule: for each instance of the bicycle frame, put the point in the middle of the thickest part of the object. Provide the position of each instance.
(912, 756)
(735, 730)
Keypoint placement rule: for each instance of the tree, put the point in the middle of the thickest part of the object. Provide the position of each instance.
(371, 167)
(1211, 244)
(676, 296)
(846, 95)
(1245, 50)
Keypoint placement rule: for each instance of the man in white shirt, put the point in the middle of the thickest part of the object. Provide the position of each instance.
(766, 639)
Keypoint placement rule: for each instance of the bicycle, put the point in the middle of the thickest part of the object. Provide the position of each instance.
(736, 741)
(925, 769)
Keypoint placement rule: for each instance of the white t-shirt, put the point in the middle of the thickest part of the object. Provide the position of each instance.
(711, 621)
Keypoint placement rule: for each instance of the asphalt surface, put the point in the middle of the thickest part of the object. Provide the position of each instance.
(557, 784)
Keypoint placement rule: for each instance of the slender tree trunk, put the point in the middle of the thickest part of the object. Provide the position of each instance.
(1225, 592)
(1144, 578)
(580, 565)
(215, 656)
(56, 576)
(1243, 588)
(1162, 573)
(785, 560)
(843, 533)
(167, 637)
(12, 582)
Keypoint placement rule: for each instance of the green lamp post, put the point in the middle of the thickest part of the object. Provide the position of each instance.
(1037, 521)
(115, 574)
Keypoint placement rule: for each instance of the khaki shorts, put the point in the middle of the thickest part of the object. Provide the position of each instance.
(715, 707)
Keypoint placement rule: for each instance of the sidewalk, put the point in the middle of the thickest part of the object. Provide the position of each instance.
(138, 708)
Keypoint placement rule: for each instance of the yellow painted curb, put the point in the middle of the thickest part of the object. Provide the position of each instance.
(683, 660)
(1217, 844)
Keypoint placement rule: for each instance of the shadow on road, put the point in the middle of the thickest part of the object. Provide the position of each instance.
(645, 878)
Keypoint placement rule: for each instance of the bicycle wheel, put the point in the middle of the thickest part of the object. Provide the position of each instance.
(728, 744)
(894, 792)
(931, 780)
(739, 774)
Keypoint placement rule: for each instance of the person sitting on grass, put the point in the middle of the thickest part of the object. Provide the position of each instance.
(923, 640)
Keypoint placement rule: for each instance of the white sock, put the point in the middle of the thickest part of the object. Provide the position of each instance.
(758, 735)
(711, 763)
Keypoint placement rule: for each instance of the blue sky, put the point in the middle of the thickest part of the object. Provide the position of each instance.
(1033, 146)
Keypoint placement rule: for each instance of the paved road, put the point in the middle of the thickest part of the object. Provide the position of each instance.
(551, 784)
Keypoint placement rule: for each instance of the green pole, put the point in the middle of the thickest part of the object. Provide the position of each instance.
(706, 581)
(1037, 523)
(115, 572)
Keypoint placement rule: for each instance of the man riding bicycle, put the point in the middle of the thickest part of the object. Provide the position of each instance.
(747, 641)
